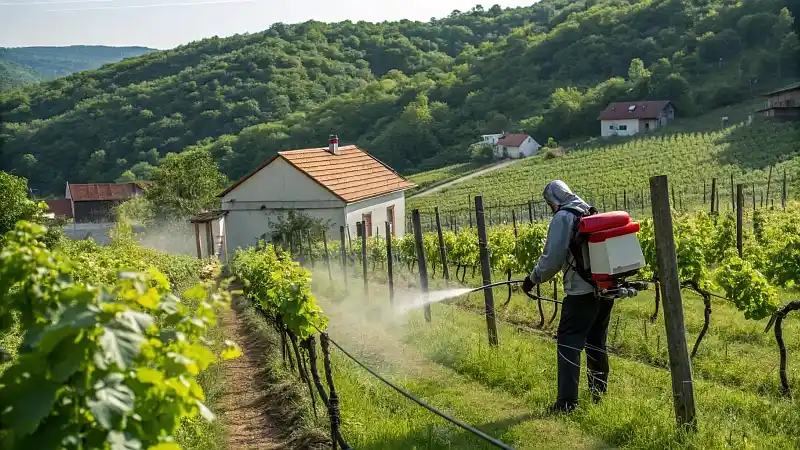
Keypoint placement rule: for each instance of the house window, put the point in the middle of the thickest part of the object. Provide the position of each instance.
(611, 127)
(390, 218)
(623, 127)
(366, 219)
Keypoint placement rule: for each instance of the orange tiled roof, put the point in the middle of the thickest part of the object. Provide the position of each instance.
(351, 175)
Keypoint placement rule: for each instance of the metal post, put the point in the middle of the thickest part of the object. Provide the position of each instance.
(733, 196)
(679, 362)
(423, 268)
(327, 255)
(488, 295)
(769, 183)
(530, 211)
(364, 256)
(343, 250)
(389, 262)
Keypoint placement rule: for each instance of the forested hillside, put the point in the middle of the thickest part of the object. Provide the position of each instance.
(18, 64)
(415, 94)
(13, 75)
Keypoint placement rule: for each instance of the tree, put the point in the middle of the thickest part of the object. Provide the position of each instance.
(186, 183)
(481, 152)
(637, 72)
(126, 177)
(15, 205)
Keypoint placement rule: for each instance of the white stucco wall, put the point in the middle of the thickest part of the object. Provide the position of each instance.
(275, 190)
(529, 147)
(378, 208)
(632, 127)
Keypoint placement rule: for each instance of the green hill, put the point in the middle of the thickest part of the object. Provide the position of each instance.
(416, 94)
(13, 75)
(54, 62)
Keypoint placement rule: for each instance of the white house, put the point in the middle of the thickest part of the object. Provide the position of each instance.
(629, 118)
(516, 146)
(342, 185)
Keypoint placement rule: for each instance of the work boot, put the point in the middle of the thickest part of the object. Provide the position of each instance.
(563, 407)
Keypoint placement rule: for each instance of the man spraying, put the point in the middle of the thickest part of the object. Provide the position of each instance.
(584, 316)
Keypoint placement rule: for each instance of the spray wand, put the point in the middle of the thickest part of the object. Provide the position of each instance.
(503, 283)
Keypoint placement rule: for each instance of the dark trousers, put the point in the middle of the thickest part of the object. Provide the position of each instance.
(584, 324)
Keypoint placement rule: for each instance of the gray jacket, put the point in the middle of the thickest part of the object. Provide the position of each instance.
(556, 255)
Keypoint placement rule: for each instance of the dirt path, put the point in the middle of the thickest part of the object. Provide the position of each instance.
(466, 177)
(242, 406)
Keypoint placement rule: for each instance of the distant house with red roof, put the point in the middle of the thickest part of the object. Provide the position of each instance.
(629, 118)
(515, 145)
(95, 202)
(340, 185)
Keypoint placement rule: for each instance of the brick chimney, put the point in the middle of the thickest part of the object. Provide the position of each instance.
(333, 144)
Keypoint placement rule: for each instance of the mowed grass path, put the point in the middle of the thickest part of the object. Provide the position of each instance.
(736, 382)
(609, 167)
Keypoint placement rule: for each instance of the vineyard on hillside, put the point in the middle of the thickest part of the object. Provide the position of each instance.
(692, 160)
(728, 301)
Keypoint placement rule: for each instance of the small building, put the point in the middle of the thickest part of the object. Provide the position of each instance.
(783, 104)
(338, 185)
(630, 118)
(95, 202)
(209, 234)
(60, 207)
(516, 145)
(491, 139)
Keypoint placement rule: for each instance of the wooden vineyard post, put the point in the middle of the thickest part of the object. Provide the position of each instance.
(423, 268)
(769, 182)
(486, 272)
(310, 249)
(625, 199)
(389, 262)
(783, 191)
(442, 251)
(733, 196)
(364, 256)
(343, 250)
(514, 222)
(469, 210)
(616, 203)
(713, 194)
(327, 255)
(754, 196)
(530, 211)
(705, 195)
(739, 217)
(333, 398)
(667, 261)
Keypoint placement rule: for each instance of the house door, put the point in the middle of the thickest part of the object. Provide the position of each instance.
(366, 219)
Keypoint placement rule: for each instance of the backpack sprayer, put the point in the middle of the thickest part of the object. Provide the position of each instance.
(606, 252)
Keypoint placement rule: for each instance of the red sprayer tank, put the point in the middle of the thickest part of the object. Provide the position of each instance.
(614, 250)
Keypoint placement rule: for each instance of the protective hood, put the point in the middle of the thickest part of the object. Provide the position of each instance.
(558, 193)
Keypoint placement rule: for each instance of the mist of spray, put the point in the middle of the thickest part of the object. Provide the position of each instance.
(411, 301)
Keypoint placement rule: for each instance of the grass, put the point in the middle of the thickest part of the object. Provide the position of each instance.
(376, 417)
(736, 382)
(605, 168)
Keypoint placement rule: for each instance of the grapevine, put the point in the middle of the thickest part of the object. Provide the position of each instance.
(101, 365)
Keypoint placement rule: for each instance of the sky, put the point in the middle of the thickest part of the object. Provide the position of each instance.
(165, 24)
